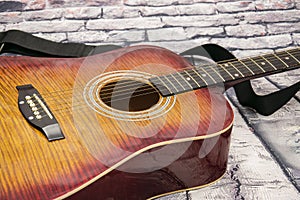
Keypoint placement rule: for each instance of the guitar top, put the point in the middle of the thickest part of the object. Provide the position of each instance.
(132, 123)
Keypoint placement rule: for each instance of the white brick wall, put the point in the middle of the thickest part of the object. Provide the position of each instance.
(245, 27)
(139, 21)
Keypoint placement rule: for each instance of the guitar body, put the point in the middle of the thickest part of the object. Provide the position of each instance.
(148, 147)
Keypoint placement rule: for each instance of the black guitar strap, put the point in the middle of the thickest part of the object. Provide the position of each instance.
(23, 43)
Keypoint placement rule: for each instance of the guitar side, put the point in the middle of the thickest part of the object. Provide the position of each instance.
(188, 143)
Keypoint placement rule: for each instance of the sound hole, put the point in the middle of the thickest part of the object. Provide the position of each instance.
(129, 95)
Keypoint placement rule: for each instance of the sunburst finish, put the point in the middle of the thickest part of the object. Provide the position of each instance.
(136, 156)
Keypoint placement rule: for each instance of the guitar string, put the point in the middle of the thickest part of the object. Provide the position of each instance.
(207, 69)
(150, 88)
(81, 104)
(243, 70)
(84, 105)
(125, 98)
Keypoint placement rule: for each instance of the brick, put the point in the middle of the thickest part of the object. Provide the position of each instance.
(21, 5)
(230, 7)
(34, 5)
(247, 53)
(75, 3)
(126, 36)
(297, 4)
(296, 38)
(58, 37)
(283, 27)
(130, 23)
(2, 28)
(135, 2)
(82, 13)
(121, 12)
(42, 15)
(200, 21)
(10, 17)
(156, 2)
(87, 36)
(266, 42)
(9, 6)
(153, 11)
(166, 34)
(121, 44)
(274, 4)
(270, 16)
(193, 32)
(176, 196)
(178, 46)
(197, 9)
(47, 26)
(205, 1)
(246, 30)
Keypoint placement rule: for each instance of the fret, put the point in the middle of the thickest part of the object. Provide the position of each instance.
(215, 76)
(186, 85)
(219, 75)
(295, 53)
(236, 71)
(176, 82)
(199, 78)
(275, 61)
(164, 84)
(169, 84)
(266, 64)
(281, 60)
(230, 77)
(160, 85)
(195, 78)
(254, 66)
(209, 79)
(203, 76)
(242, 68)
(246, 66)
(293, 57)
(191, 80)
(231, 70)
(261, 68)
(289, 59)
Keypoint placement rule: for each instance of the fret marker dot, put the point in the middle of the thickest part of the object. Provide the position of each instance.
(204, 75)
(263, 63)
(226, 65)
(188, 78)
(236, 75)
(286, 58)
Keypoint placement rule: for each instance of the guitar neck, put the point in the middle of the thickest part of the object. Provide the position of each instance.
(226, 72)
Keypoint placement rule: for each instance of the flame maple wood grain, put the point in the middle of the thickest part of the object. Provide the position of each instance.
(33, 168)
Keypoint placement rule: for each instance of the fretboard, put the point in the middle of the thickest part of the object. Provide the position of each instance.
(196, 77)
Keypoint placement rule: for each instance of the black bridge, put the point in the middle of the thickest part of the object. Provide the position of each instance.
(37, 113)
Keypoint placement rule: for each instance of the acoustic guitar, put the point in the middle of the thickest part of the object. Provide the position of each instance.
(135, 123)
